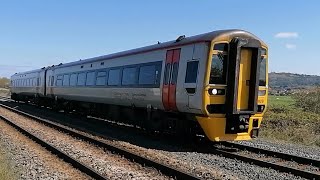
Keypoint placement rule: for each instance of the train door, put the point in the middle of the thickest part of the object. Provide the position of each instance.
(244, 79)
(191, 76)
(170, 79)
(243, 83)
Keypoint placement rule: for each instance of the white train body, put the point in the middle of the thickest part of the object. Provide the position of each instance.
(172, 77)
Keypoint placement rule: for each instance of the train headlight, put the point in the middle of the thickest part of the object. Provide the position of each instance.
(217, 91)
(214, 91)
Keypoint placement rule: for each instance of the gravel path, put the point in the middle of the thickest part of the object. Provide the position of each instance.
(278, 146)
(108, 164)
(31, 161)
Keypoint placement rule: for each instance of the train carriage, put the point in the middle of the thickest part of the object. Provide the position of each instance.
(214, 82)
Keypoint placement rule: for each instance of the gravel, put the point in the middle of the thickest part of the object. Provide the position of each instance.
(106, 163)
(205, 165)
(283, 147)
(231, 166)
(31, 161)
(279, 161)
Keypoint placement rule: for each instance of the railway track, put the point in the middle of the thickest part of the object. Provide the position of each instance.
(288, 163)
(269, 159)
(82, 167)
(164, 169)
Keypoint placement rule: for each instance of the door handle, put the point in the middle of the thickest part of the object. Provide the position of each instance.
(248, 82)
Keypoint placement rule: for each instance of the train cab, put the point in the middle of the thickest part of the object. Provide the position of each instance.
(236, 87)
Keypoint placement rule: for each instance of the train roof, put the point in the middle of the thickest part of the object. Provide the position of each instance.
(206, 37)
(29, 72)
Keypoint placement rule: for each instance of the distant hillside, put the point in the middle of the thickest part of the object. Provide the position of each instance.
(292, 80)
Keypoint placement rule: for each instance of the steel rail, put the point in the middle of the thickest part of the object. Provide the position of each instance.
(262, 163)
(167, 170)
(289, 157)
(77, 164)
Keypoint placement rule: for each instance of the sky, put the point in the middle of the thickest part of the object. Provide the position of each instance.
(37, 33)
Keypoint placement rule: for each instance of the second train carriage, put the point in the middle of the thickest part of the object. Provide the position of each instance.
(217, 80)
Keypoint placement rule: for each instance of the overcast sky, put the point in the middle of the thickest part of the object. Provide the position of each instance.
(37, 33)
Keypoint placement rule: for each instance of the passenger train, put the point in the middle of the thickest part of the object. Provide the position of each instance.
(215, 84)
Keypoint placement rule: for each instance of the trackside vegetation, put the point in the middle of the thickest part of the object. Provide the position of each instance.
(294, 118)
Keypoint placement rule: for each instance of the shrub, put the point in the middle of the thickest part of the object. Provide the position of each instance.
(308, 100)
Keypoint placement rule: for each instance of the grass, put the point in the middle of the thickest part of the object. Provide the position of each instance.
(284, 120)
(281, 101)
(6, 171)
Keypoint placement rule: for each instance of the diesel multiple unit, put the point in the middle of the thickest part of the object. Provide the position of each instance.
(214, 83)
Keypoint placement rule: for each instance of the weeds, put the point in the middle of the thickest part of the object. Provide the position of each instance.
(295, 120)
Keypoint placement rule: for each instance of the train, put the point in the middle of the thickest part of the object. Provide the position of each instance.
(213, 84)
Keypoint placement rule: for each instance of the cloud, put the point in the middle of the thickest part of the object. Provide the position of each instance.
(286, 35)
(291, 46)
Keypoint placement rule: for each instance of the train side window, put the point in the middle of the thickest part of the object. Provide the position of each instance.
(114, 77)
(192, 72)
(147, 75)
(59, 80)
(101, 78)
(175, 73)
(263, 72)
(90, 78)
(73, 79)
(52, 80)
(66, 80)
(129, 76)
(167, 73)
(81, 79)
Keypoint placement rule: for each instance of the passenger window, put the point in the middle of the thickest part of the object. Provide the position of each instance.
(175, 73)
(73, 79)
(90, 78)
(192, 72)
(81, 79)
(129, 76)
(114, 77)
(167, 73)
(101, 78)
(59, 80)
(52, 80)
(66, 80)
(147, 75)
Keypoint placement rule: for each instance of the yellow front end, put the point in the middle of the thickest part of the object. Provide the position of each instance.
(214, 122)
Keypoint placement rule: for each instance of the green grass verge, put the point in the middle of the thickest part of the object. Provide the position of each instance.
(6, 170)
(285, 121)
(281, 101)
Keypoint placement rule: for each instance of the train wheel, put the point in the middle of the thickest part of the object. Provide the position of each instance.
(154, 122)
